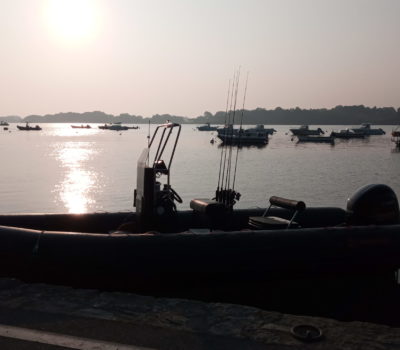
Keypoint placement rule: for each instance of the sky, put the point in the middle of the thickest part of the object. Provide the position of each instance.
(178, 56)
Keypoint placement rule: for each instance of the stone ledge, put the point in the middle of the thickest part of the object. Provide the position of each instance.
(271, 329)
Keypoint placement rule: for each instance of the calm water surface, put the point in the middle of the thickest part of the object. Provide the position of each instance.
(60, 169)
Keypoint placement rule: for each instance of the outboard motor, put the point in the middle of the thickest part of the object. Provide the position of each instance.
(374, 204)
(154, 201)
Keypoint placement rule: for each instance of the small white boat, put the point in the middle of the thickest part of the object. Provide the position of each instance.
(81, 126)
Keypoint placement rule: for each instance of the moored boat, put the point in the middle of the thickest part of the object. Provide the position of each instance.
(396, 136)
(115, 126)
(347, 134)
(206, 127)
(304, 130)
(262, 128)
(81, 126)
(27, 127)
(316, 138)
(291, 258)
(239, 136)
(366, 129)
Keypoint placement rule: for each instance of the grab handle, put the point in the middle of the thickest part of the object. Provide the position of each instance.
(287, 203)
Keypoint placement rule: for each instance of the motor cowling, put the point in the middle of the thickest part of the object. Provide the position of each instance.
(374, 204)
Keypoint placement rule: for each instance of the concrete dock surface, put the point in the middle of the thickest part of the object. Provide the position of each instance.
(39, 316)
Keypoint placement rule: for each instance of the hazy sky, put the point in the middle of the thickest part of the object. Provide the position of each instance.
(177, 56)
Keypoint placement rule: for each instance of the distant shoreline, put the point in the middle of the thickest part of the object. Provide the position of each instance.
(339, 115)
(216, 124)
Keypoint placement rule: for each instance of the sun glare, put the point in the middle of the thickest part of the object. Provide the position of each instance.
(72, 20)
(76, 189)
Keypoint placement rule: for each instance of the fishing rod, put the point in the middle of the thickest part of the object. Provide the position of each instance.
(240, 132)
(217, 193)
(229, 165)
(225, 139)
(227, 172)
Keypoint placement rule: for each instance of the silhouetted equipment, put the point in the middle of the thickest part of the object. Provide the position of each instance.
(155, 204)
(265, 222)
(374, 204)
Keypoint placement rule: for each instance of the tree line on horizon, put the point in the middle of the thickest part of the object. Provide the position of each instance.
(340, 115)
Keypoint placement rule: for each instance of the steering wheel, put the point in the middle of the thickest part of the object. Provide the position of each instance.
(175, 195)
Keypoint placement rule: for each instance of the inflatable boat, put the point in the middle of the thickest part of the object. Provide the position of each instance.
(288, 257)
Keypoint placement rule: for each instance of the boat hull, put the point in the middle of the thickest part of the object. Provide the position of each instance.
(318, 139)
(29, 128)
(309, 270)
(297, 132)
(305, 131)
(207, 128)
(115, 127)
(243, 140)
(347, 135)
(367, 130)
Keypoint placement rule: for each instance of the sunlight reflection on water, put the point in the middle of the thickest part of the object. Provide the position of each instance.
(62, 169)
(68, 131)
(76, 189)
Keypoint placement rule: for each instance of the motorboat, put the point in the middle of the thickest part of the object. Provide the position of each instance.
(316, 138)
(206, 127)
(241, 136)
(396, 136)
(347, 134)
(4, 123)
(114, 126)
(105, 126)
(262, 128)
(304, 130)
(366, 129)
(81, 126)
(27, 127)
(289, 257)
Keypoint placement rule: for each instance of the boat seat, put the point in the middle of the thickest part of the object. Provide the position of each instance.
(266, 222)
(210, 212)
(207, 206)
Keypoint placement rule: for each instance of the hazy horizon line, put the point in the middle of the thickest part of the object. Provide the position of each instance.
(200, 115)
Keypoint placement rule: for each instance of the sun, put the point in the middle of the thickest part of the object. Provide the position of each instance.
(72, 20)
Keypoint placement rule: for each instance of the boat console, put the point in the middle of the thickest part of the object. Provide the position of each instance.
(154, 201)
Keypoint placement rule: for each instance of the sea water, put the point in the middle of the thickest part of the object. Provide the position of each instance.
(64, 170)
